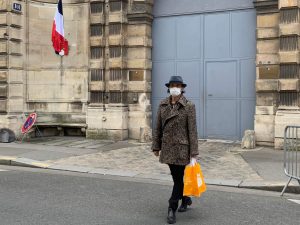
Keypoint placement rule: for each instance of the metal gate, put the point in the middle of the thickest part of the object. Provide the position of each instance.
(215, 54)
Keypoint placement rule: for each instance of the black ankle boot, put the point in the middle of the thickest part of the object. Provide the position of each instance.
(171, 216)
(186, 201)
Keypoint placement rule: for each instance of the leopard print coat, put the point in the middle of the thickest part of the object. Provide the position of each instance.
(175, 135)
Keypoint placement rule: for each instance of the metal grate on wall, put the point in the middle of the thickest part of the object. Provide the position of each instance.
(96, 30)
(289, 16)
(289, 71)
(115, 52)
(96, 7)
(117, 74)
(289, 43)
(97, 74)
(96, 52)
(97, 97)
(289, 99)
(118, 97)
(115, 28)
(115, 6)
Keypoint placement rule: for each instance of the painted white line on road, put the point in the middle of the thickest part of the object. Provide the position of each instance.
(2, 170)
(295, 201)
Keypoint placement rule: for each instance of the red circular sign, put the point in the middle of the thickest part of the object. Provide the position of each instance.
(29, 123)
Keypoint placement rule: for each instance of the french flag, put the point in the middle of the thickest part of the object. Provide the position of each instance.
(60, 44)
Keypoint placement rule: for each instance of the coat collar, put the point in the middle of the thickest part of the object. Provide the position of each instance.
(182, 101)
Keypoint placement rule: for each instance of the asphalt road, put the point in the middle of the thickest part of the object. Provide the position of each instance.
(43, 197)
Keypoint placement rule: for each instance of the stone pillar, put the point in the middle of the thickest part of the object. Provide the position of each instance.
(12, 48)
(267, 62)
(289, 56)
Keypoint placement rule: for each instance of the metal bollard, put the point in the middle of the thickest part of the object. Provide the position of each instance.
(291, 154)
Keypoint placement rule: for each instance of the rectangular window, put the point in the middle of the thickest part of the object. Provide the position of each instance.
(115, 52)
(115, 6)
(115, 29)
(288, 99)
(97, 75)
(97, 97)
(289, 71)
(96, 52)
(96, 7)
(96, 30)
(117, 74)
(289, 15)
(118, 97)
(289, 43)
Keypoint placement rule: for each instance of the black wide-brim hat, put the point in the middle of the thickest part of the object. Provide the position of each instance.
(177, 80)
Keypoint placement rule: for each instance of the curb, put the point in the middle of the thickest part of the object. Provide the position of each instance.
(25, 162)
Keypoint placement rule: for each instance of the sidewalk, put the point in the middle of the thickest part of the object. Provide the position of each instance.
(222, 163)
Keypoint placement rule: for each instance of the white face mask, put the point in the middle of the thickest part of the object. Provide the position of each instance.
(175, 91)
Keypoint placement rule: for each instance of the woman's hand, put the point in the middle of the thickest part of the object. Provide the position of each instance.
(156, 152)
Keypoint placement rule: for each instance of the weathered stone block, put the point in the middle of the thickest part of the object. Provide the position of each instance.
(139, 53)
(139, 64)
(16, 76)
(3, 61)
(97, 86)
(285, 118)
(97, 18)
(97, 63)
(269, 85)
(97, 41)
(288, 3)
(278, 143)
(266, 99)
(288, 85)
(271, 59)
(3, 76)
(16, 62)
(117, 63)
(265, 110)
(117, 17)
(3, 105)
(268, 46)
(16, 90)
(268, 71)
(268, 20)
(264, 128)
(3, 47)
(3, 18)
(116, 40)
(14, 19)
(138, 86)
(139, 30)
(289, 29)
(16, 105)
(15, 47)
(3, 90)
(289, 57)
(267, 33)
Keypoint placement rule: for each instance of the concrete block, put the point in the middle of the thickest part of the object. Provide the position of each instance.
(267, 20)
(264, 128)
(266, 85)
(289, 57)
(16, 90)
(265, 110)
(288, 85)
(268, 46)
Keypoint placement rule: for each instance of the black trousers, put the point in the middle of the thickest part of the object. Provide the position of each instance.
(177, 173)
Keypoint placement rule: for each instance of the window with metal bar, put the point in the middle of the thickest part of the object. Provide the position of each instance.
(289, 43)
(96, 30)
(97, 97)
(115, 52)
(96, 52)
(115, 6)
(97, 74)
(96, 7)
(118, 97)
(115, 74)
(115, 29)
(289, 15)
(289, 71)
(288, 99)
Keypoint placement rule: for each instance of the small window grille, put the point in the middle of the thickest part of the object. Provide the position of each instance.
(289, 43)
(118, 97)
(115, 6)
(289, 15)
(97, 75)
(96, 52)
(289, 71)
(96, 30)
(97, 97)
(117, 74)
(288, 99)
(115, 29)
(115, 52)
(96, 7)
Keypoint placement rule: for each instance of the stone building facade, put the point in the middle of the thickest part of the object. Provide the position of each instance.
(103, 88)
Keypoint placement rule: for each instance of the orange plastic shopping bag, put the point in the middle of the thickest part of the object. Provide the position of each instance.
(193, 180)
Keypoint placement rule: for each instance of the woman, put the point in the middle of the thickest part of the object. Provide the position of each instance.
(175, 140)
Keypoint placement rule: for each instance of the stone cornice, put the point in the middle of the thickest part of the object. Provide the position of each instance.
(266, 6)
